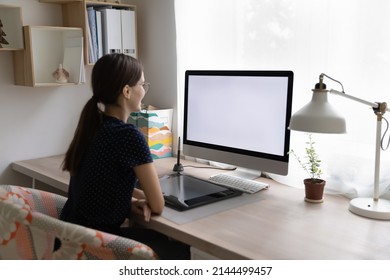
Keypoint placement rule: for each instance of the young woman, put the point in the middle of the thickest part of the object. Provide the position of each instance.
(108, 158)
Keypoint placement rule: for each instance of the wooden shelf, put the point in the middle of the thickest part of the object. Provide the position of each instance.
(11, 19)
(89, 2)
(74, 14)
(46, 48)
(42, 49)
(60, 1)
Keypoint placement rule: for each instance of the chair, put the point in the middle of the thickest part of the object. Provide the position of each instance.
(29, 227)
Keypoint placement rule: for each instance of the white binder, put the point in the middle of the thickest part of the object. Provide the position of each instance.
(128, 32)
(112, 37)
(99, 29)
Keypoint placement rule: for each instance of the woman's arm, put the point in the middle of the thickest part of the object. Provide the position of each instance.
(138, 194)
(148, 179)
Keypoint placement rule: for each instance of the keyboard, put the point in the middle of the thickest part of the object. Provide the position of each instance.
(237, 183)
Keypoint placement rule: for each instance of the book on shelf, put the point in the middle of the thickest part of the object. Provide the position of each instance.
(93, 33)
(90, 47)
(99, 33)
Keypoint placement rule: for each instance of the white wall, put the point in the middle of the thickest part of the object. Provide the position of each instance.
(39, 122)
(157, 52)
(157, 49)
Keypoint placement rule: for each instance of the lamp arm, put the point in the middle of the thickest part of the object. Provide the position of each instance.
(379, 108)
(371, 104)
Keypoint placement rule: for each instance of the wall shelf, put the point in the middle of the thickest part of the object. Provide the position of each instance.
(46, 48)
(11, 28)
(40, 50)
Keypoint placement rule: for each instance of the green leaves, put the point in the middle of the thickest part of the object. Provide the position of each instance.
(312, 162)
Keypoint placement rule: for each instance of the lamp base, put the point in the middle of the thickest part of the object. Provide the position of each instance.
(368, 207)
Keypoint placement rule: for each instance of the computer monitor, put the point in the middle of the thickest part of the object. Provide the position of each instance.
(239, 118)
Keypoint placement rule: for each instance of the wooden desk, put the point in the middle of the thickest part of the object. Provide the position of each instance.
(280, 226)
(47, 170)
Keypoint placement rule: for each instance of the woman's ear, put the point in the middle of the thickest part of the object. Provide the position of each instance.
(126, 91)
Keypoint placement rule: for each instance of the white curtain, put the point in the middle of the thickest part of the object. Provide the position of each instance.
(348, 40)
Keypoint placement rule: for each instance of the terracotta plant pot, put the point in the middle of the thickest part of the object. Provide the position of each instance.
(314, 191)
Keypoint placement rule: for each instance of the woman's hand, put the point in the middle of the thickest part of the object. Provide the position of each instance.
(139, 194)
(141, 207)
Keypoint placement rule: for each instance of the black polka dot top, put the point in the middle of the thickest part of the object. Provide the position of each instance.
(100, 193)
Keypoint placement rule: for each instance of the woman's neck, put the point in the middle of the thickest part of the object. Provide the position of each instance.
(116, 112)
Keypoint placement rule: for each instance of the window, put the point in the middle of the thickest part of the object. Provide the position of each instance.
(347, 40)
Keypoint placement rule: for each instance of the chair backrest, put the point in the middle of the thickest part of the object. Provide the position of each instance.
(30, 228)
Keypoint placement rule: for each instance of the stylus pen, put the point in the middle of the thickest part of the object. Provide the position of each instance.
(178, 152)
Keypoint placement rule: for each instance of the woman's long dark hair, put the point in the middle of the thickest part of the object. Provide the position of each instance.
(110, 74)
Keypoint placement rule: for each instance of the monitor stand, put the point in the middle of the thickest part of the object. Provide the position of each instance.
(246, 173)
(241, 172)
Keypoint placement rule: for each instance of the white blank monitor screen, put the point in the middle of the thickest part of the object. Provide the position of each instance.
(239, 118)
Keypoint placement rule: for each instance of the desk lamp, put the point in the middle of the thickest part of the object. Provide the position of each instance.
(319, 116)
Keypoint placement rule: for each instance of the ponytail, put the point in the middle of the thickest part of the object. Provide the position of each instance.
(90, 120)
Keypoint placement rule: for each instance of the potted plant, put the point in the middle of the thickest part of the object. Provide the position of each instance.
(314, 185)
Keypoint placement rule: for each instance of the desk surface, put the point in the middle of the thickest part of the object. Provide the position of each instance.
(279, 226)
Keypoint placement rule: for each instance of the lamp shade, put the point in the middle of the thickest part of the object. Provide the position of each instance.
(318, 116)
